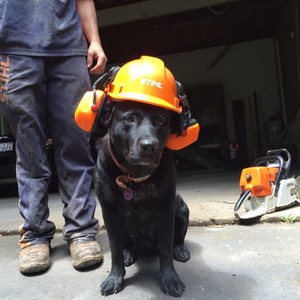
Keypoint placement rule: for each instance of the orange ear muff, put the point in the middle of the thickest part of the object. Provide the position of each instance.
(177, 142)
(87, 109)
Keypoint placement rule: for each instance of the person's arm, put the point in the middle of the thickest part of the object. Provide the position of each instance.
(87, 12)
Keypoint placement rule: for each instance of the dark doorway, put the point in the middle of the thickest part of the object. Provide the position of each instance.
(238, 111)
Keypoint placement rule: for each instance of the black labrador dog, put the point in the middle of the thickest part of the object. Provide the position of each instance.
(136, 186)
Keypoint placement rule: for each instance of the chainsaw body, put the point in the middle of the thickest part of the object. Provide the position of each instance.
(266, 187)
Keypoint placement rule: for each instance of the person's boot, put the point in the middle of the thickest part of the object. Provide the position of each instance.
(85, 253)
(34, 258)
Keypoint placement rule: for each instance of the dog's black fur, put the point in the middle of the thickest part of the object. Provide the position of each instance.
(156, 218)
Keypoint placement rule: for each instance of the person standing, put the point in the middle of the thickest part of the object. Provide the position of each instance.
(47, 49)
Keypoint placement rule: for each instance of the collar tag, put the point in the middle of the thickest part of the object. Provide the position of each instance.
(128, 194)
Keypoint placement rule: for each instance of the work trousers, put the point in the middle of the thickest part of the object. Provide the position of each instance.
(39, 101)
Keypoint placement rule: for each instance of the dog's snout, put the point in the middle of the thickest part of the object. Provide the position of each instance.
(149, 145)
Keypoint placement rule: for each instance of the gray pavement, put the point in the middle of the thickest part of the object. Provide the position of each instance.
(229, 261)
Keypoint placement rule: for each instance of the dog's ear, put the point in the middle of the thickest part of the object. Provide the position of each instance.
(100, 128)
(103, 120)
(107, 113)
(176, 123)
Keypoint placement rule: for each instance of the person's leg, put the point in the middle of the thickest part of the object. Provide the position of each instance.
(25, 109)
(68, 81)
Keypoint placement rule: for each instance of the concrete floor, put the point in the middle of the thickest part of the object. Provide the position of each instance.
(229, 261)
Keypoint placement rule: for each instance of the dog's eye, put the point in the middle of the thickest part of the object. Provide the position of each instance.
(129, 119)
(162, 122)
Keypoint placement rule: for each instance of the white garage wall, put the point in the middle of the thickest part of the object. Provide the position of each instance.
(246, 67)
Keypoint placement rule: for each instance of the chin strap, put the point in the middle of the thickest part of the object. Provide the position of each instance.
(122, 180)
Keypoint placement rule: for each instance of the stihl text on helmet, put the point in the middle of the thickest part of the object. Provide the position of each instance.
(151, 83)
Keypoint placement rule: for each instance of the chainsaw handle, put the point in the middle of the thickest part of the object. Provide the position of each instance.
(242, 198)
(268, 159)
(287, 162)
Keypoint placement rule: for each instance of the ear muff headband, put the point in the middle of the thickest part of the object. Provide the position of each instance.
(110, 76)
(92, 104)
(185, 114)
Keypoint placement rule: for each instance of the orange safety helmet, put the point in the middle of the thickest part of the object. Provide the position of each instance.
(145, 80)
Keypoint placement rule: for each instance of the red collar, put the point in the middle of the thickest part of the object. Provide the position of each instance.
(122, 180)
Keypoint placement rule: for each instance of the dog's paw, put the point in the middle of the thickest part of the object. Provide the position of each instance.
(112, 285)
(181, 253)
(171, 284)
(129, 257)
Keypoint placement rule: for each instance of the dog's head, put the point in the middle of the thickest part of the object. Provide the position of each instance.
(147, 86)
(138, 133)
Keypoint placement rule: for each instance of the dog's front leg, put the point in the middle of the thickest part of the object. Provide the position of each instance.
(113, 223)
(170, 282)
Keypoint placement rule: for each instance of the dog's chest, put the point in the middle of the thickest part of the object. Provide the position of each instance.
(140, 225)
(141, 212)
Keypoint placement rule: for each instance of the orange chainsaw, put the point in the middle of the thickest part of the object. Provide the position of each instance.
(266, 187)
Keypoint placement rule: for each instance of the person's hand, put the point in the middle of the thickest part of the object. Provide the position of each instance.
(96, 58)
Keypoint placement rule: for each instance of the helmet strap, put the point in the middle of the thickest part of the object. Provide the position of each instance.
(108, 77)
(186, 113)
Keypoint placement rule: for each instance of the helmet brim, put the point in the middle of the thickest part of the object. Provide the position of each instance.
(146, 99)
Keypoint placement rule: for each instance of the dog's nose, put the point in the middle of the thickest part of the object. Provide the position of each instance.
(149, 145)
